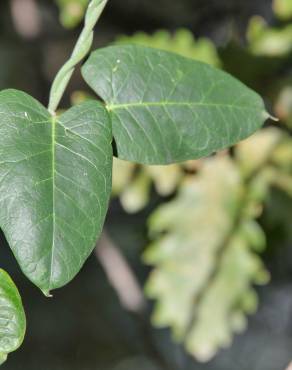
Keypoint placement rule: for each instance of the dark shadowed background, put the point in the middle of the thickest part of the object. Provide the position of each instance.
(84, 326)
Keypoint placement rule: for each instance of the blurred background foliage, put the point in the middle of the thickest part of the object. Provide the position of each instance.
(214, 235)
(71, 11)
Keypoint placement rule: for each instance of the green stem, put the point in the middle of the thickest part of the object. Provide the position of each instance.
(81, 49)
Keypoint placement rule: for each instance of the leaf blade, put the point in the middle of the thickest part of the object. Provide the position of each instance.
(56, 179)
(166, 108)
(203, 258)
(12, 317)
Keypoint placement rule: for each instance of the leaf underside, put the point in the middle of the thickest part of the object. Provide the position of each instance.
(55, 183)
(166, 108)
(12, 317)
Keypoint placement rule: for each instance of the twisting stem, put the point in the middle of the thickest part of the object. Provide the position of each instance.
(81, 48)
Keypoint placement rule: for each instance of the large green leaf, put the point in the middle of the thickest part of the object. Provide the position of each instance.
(166, 108)
(55, 182)
(12, 317)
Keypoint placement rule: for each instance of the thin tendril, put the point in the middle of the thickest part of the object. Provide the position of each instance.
(81, 49)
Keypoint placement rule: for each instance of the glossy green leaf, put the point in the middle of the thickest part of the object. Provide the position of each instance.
(166, 108)
(12, 317)
(55, 183)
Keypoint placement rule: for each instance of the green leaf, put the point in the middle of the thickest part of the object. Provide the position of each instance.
(12, 317)
(182, 42)
(203, 257)
(283, 9)
(71, 11)
(268, 41)
(166, 108)
(55, 183)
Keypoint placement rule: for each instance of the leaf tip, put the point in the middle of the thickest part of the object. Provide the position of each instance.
(269, 116)
(47, 293)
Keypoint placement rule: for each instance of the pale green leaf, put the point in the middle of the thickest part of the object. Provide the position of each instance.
(204, 262)
(55, 183)
(248, 155)
(12, 317)
(166, 108)
(123, 173)
(72, 11)
(181, 42)
(133, 183)
(268, 41)
(165, 178)
(283, 9)
(137, 193)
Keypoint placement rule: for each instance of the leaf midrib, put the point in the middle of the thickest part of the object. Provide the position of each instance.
(114, 106)
(53, 144)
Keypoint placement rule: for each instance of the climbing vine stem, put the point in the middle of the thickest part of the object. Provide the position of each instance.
(81, 49)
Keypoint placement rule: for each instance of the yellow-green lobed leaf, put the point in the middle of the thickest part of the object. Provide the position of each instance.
(204, 259)
(283, 9)
(182, 42)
